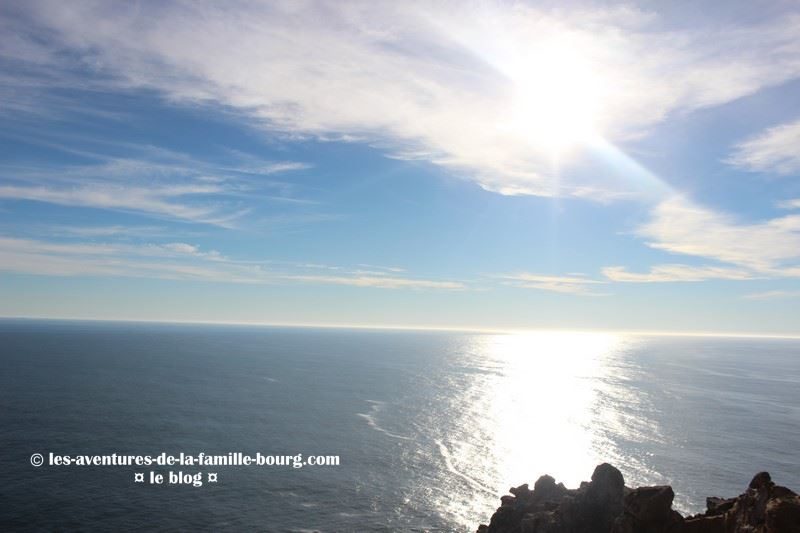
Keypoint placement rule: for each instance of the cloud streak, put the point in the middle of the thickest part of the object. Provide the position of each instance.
(790, 204)
(575, 285)
(152, 200)
(773, 151)
(185, 262)
(676, 273)
(154, 182)
(772, 295)
(770, 247)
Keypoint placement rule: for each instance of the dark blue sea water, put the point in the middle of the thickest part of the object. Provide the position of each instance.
(431, 427)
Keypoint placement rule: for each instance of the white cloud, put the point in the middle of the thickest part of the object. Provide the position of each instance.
(271, 168)
(105, 231)
(394, 269)
(790, 204)
(676, 272)
(151, 200)
(774, 150)
(180, 261)
(91, 259)
(577, 285)
(772, 295)
(770, 247)
(435, 81)
(421, 81)
(358, 279)
(155, 182)
(182, 247)
(174, 249)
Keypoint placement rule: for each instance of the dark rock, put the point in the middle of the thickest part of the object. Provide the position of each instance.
(606, 478)
(704, 524)
(650, 504)
(545, 489)
(649, 509)
(715, 506)
(606, 505)
(783, 514)
(522, 491)
(603, 499)
(760, 480)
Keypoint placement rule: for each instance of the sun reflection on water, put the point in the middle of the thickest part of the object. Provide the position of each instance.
(529, 404)
(542, 408)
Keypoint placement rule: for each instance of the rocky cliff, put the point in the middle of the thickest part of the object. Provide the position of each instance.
(606, 505)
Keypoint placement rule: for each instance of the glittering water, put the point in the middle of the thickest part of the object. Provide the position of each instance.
(431, 427)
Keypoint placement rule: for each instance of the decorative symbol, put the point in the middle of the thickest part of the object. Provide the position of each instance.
(212, 477)
(138, 477)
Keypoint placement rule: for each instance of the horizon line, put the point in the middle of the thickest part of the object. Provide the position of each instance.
(396, 327)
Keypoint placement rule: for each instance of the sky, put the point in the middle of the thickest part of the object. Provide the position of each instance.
(475, 165)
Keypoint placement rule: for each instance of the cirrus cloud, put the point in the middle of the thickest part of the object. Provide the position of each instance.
(675, 272)
(416, 80)
(773, 150)
(681, 226)
(571, 284)
(184, 262)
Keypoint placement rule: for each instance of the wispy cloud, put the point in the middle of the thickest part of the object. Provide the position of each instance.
(576, 285)
(380, 268)
(774, 151)
(676, 272)
(155, 182)
(249, 164)
(104, 231)
(772, 295)
(769, 247)
(790, 204)
(358, 279)
(766, 249)
(418, 80)
(183, 261)
(165, 250)
(152, 200)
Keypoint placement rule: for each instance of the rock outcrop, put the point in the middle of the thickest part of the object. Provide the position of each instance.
(606, 505)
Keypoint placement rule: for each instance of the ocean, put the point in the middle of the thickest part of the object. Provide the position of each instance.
(430, 428)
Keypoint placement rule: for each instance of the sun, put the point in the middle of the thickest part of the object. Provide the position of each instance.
(557, 97)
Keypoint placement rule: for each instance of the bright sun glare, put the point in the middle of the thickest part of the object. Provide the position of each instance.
(557, 96)
(545, 401)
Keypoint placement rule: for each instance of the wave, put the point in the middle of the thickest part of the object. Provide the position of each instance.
(448, 461)
(373, 423)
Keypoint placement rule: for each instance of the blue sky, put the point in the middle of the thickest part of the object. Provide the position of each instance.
(496, 166)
